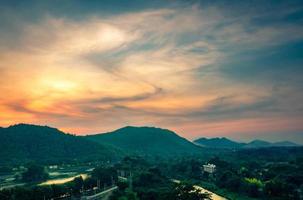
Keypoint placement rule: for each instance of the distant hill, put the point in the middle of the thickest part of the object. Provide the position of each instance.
(218, 143)
(285, 144)
(227, 143)
(262, 144)
(257, 144)
(22, 143)
(147, 141)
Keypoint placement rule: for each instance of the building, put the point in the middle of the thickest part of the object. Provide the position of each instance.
(53, 167)
(209, 168)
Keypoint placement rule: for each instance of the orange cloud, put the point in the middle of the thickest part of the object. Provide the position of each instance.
(155, 67)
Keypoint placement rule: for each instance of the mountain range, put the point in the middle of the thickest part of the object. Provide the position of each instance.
(26, 143)
(227, 143)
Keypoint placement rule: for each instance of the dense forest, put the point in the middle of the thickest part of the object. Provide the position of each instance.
(244, 174)
(129, 161)
(147, 141)
(25, 143)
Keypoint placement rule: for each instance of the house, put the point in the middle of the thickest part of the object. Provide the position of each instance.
(53, 167)
(209, 168)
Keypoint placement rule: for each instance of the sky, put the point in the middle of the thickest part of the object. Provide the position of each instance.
(199, 68)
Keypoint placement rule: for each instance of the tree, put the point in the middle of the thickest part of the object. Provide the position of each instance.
(77, 184)
(186, 191)
(130, 195)
(123, 193)
(34, 173)
(107, 176)
(122, 185)
(253, 186)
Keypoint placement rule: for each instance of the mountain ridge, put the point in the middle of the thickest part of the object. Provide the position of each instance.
(213, 142)
(147, 140)
(27, 143)
(224, 142)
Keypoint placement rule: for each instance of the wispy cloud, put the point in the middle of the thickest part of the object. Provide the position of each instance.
(162, 67)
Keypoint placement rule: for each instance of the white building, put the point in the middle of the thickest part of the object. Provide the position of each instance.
(209, 168)
(53, 167)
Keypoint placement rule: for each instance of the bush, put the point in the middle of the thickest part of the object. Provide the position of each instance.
(34, 173)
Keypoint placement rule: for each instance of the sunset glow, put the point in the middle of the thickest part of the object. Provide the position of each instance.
(198, 69)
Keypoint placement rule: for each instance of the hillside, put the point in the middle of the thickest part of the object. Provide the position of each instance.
(285, 144)
(227, 143)
(218, 143)
(147, 141)
(262, 144)
(257, 144)
(23, 143)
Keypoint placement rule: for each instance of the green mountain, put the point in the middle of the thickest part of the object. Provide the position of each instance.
(230, 144)
(257, 144)
(263, 144)
(147, 141)
(285, 144)
(23, 143)
(218, 143)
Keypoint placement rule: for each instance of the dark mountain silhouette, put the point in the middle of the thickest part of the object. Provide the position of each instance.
(147, 140)
(22, 143)
(285, 144)
(218, 143)
(257, 144)
(227, 143)
(262, 144)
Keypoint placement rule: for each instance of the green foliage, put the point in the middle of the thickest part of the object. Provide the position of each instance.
(254, 181)
(153, 184)
(186, 191)
(5, 169)
(230, 181)
(252, 187)
(123, 192)
(76, 185)
(34, 173)
(147, 141)
(106, 175)
(23, 143)
(271, 173)
(122, 185)
(129, 195)
(33, 193)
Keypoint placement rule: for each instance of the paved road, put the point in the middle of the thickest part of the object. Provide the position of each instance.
(213, 195)
(203, 190)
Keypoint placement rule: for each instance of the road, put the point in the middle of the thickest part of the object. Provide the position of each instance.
(100, 194)
(63, 180)
(214, 196)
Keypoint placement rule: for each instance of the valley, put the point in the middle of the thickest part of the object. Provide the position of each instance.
(142, 163)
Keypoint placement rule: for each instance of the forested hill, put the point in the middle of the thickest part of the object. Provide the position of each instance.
(227, 143)
(147, 141)
(218, 143)
(23, 143)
